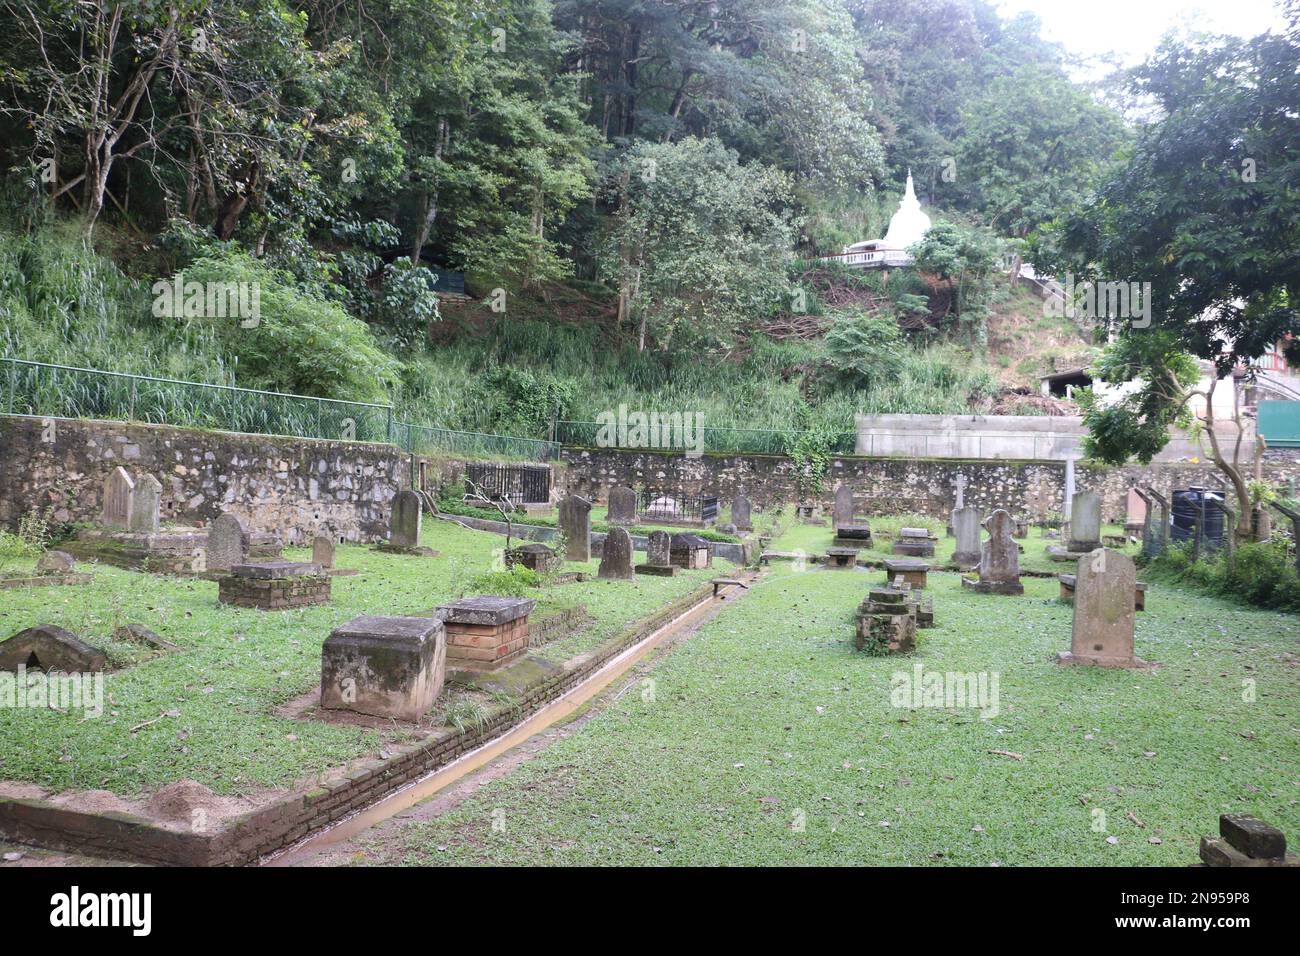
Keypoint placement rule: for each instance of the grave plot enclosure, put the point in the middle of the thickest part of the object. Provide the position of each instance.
(518, 484)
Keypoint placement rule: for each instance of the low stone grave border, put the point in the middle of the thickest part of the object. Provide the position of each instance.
(46, 580)
(257, 833)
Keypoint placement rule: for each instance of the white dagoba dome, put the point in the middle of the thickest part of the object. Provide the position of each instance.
(909, 225)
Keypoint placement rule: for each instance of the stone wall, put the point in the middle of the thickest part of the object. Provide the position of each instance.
(292, 487)
(889, 485)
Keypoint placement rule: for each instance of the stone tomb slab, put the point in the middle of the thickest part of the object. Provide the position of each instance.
(886, 623)
(486, 632)
(841, 558)
(50, 648)
(275, 586)
(384, 666)
(690, 551)
(534, 556)
(914, 573)
(853, 535)
(914, 542)
(1067, 591)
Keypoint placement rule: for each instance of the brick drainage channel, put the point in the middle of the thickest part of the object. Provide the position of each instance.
(557, 710)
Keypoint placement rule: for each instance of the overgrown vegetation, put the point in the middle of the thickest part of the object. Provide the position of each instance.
(1259, 573)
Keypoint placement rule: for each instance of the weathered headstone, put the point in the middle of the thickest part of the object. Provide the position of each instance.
(914, 542)
(384, 666)
(1085, 522)
(1244, 840)
(960, 484)
(966, 528)
(999, 558)
(622, 506)
(322, 551)
(1102, 633)
(741, 513)
(616, 556)
(658, 554)
(119, 500)
(227, 544)
(843, 513)
(146, 504)
(575, 525)
(55, 562)
(404, 525)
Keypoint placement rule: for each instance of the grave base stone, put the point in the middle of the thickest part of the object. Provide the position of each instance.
(384, 666)
(886, 623)
(485, 633)
(915, 574)
(274, 586)
(50, 648)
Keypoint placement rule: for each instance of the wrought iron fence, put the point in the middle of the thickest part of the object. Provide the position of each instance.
(521, 484)
(675, 506)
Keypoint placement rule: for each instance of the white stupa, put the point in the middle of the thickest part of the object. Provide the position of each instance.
(907, 227)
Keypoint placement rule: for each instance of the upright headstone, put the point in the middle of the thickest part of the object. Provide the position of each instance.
(1085, 522)
(843, 514)
(146, 504)
(657, 546)
(119, 500)
(960, 485)
(1135, 511)
(622, 506)
(404, 526)
(616, 556)
(741, 513)
(575, 525)
(1104, 594)
(227, 544)
(322, 551)
(966, 528)
(999, 558)
(1069, 488)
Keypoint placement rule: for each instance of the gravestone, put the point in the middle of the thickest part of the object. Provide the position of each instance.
(1135, 512)
(886, 623)
(50, 648)
(622, 506)
(999, 558)
(966, 528)
(384, 666)
(534, 556)
(146, 502)
(322, 551)
(658, 555)
(119, 500)
(227, 544)
(55, 562)
(404, 525)
(1102, 633)
(575, 525)
(1245, 840)
(843, 514)
(616, 556)
(741, 516)
(960, 484)
(1085, 522)
(914, 542)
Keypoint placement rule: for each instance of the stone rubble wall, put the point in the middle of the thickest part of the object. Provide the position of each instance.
(295, 488)
(884, 486)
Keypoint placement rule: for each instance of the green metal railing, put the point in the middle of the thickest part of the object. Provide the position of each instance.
(741, 441)
(65, 391)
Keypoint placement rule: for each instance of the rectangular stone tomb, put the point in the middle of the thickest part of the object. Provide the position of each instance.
(484, 633)
(1246, 841)
(841, 558)
(923, 607)
(384, 666)
(886, 623)
(176, 550)
(915, 542)
(1068, 583)
(535, 556)
(915, 574)
(690, 551)
(853, 536)
(274, 585)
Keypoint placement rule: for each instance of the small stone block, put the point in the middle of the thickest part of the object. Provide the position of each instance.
(486, 610)
(1252, 836)
(384, 666)
(275, 570)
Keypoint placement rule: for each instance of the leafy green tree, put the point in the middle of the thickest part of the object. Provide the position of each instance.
(963, 258)
(698, 243)
(1203, 212)
(864, 349)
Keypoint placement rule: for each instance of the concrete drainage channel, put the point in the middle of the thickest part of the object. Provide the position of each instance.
(553, 712)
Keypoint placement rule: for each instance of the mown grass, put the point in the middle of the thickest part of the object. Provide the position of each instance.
(766, 718)
(815, 539)
(237, 666)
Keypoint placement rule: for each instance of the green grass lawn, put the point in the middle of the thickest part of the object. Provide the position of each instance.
(238, 665)
(766, 741)
(815, 539)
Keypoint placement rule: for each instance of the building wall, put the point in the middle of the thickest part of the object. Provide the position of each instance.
(292, 487)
